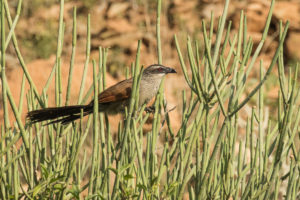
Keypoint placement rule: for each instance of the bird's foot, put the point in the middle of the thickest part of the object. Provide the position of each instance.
(150, 109)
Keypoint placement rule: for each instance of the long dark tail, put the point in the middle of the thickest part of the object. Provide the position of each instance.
(64, 114)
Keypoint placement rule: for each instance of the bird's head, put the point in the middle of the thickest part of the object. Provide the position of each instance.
(158, 70)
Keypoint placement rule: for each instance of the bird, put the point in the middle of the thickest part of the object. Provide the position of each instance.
(112, 100)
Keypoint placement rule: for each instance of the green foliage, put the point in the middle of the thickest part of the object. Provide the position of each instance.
(89, 3)
(45, 43)
(212, 156)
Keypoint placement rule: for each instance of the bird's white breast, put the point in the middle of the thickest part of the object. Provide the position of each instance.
(148, 89)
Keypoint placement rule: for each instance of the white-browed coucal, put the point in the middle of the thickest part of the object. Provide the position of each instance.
(112, 100)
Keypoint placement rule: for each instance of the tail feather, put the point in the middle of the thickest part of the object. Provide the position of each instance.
(67, 119)
(64, 114)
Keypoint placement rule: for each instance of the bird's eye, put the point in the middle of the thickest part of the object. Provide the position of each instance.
(160, 70)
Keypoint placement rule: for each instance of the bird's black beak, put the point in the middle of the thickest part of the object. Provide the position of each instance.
(170, 70)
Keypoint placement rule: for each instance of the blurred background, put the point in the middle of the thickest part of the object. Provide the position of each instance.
(119, 24)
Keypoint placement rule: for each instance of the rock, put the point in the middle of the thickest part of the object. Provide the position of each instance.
(126, 40)
(97, 18)
(116, 9)
(288, 11)
(256, 13)
(120, 26)
(292, 45)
